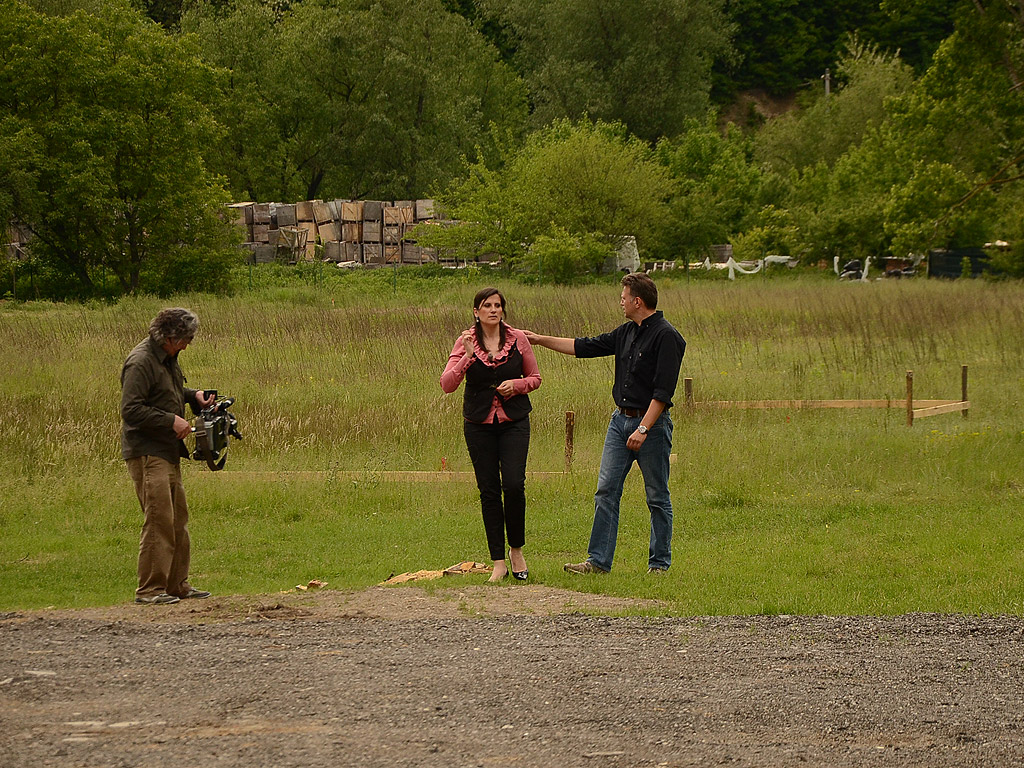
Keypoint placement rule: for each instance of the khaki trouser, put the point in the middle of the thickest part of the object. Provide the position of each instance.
(164, 547)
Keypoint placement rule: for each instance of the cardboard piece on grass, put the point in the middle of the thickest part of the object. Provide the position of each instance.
(313, 584)
(459, 569)
(466, 566)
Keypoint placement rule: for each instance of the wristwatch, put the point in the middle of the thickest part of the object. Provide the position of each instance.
(642, 429)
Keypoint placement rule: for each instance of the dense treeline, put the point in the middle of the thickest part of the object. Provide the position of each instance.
(551, 128)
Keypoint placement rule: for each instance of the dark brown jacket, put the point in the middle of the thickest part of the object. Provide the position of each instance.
(153, 392)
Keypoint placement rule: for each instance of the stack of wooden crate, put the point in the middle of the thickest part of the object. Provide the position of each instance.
(370, 232)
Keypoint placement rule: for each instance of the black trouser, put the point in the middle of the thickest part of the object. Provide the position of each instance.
(499, 453)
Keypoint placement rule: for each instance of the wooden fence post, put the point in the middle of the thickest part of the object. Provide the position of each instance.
(688, 389)
(910, 398)
(570, 426)
(963, 387)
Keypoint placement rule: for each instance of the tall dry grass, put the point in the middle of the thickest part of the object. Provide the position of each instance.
(349, 378)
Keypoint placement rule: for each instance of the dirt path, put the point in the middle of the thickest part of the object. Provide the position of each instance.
(501, 676)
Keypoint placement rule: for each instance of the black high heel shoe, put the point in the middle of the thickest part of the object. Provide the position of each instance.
(517, 575)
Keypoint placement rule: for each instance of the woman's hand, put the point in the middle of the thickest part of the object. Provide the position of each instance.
(468, 336)
(507, 388)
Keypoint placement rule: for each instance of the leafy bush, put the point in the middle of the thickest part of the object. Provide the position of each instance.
(562, 257)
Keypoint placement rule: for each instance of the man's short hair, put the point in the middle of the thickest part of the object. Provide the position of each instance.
(174, 324)
(642, 287)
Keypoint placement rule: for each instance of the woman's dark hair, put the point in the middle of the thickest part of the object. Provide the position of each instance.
(481, 296)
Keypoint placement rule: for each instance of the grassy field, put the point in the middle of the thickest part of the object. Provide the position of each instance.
(782, 511)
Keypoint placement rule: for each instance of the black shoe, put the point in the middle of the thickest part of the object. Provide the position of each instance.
(518, 575)
(195, 594)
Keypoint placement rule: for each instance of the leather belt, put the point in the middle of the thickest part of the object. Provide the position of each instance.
(632, 413)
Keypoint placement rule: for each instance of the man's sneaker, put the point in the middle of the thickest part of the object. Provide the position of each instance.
(161, 599)
(585, 567)
(657, 571)
(195, 594)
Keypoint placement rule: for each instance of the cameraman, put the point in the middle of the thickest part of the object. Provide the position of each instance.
(153, 397)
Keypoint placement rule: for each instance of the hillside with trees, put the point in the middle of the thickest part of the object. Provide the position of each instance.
(550, 130)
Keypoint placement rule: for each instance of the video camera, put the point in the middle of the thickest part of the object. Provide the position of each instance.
(212, 428)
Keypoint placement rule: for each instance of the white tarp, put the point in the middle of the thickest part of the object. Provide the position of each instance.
(747, 267)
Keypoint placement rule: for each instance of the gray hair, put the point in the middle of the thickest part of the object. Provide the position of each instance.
(174, 324)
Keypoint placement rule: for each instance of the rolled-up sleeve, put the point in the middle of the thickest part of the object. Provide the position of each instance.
(596, 346)
(666, 369)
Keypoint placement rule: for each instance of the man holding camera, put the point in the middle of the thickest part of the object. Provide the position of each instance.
(153, 397)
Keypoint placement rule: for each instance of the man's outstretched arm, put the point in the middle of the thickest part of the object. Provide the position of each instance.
(557, 343)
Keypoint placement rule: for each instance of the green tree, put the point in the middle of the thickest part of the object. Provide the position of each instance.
(352, 98)
(784, 45)
(960, 135)
(646, 63)
(867, 83)
(581, 183)
(716, 188)
(827, 165)
(106, 114)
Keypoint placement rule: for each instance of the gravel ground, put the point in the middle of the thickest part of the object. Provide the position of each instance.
(509, 676)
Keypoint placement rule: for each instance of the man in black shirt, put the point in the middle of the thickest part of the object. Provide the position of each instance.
(648, 352)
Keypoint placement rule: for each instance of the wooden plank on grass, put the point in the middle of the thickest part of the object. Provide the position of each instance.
(411, 476)
(935, 410)
(798, 404)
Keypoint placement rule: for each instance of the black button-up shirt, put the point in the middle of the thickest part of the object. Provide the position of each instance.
(647, 360)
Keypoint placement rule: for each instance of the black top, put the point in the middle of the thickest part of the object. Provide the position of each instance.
(481, 383)
(647, 360)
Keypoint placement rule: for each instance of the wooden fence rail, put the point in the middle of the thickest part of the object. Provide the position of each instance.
(916, 409)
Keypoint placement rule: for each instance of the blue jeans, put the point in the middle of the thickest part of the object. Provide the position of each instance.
(616, 461)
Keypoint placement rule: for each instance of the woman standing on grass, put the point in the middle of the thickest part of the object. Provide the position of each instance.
(499, 367)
